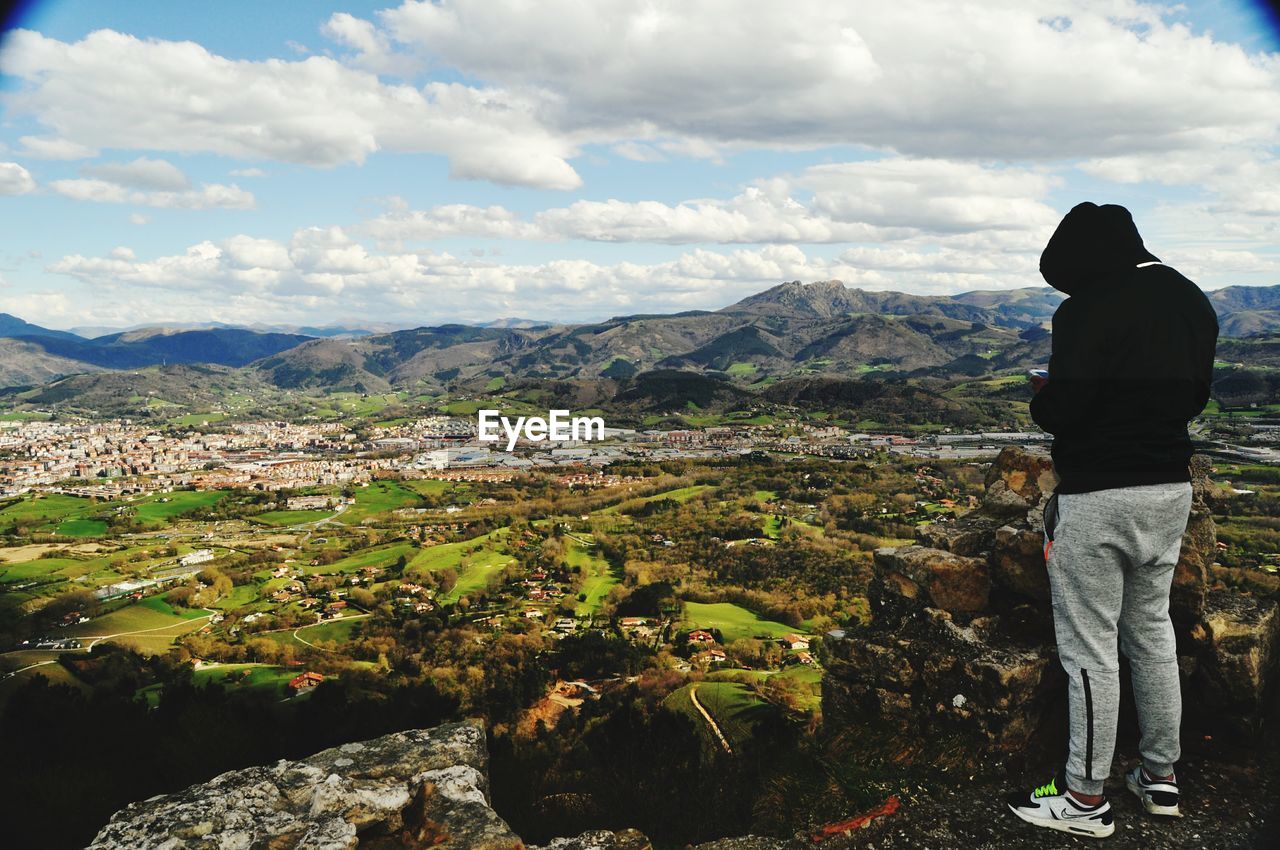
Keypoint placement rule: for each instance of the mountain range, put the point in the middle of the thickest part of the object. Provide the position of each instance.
(790, 331)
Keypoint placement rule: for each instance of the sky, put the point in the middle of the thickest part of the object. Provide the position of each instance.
(305, 162)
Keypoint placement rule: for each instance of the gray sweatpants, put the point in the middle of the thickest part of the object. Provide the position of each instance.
(1110, 565)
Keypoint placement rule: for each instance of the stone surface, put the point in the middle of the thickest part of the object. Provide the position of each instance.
(415, 789)
(961, 637)
(944, 580)
(1016, 479)
(1241, 650)
(600, 839)
(1017, 562)
(748, 842)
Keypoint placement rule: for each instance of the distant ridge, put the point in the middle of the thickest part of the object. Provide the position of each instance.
(12, 326)
(792, 330)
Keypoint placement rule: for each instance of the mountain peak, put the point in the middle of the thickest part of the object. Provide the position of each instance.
(821, 299)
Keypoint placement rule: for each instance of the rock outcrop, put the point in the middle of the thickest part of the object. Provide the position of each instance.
(424, 788)
(421, 788)
(961, 641)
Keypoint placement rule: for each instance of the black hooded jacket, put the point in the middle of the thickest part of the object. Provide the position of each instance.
(1132, 357)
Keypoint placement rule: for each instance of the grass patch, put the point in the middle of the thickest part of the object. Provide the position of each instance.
(161, 605)
(240, 596)
(463, 408)
(736, 710)
(280, 519)
(733, 621)
(82, 528)
(600, 577)
(143, 615)
(163, 507)
(338, 631)
(379, 497)
(40, 568)
(198, 418)
(680, 494)
(379, 556)
(429, 486)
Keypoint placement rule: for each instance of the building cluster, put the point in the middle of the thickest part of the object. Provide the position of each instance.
(116, 458)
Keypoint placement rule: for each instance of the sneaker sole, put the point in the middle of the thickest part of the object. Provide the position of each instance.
(1066, 826)
(1150, 807)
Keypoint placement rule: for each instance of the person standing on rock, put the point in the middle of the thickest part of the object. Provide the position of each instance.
(1131, 364)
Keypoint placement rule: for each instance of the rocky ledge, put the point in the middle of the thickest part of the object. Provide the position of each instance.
(424, 788)
(961, 640)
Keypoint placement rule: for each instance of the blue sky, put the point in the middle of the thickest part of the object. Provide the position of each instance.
(410, 163)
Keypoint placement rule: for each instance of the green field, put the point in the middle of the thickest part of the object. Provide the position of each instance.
(75, 516)
(90, 573)
(475, 568)
(736, 710)
(463, 408)
(162, 507)
(379, 497)
(55, 673)
(733, 621)
(41, 567)
(152, 613)
(378, 556)
(680, 494)
(339, 631)
(198, 418)
(48, 513)
(161, 605)
(82, 528)
(599, 577)
(279, 519)
(773, 526)
(244, 679)
(429, 486)
(240, 595)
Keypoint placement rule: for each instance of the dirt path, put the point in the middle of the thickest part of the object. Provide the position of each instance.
(30, 667)
(311, 625)
(95, 640)
(715, 727)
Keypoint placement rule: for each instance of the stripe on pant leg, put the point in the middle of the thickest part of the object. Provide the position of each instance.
(1088, 713)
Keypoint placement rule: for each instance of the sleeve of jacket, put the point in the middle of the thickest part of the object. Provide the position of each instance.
(1077, 364)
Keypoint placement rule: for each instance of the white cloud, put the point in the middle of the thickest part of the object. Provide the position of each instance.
(403, 225)
(41, 147)
(931, 194)
(142, 173)
(138, 219)
(1241, 179)
(875, 200)
(637, 152)
(315, 111)
(923, 78)
(373, 50)
(208, 196)
(15, 180)
(248, 172)
(322, 273)
(942, 78)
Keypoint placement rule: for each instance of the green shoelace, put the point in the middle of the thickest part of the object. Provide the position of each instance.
(1049, 790)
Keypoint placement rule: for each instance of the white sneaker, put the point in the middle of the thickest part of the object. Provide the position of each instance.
(1048, 807)
(1158, 796)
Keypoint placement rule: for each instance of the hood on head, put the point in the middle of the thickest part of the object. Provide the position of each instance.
(1092, 243)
